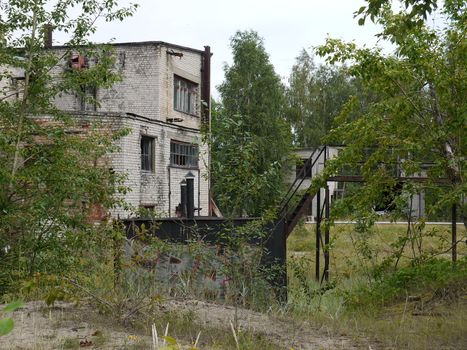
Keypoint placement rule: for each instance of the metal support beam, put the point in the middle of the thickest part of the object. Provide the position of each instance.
(318, 233)
(326, 236)
(454, 233)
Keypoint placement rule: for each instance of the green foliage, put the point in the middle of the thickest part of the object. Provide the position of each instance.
(239, 187)
(436, 276)
(54, 169)
(416, 10)
(315, 96)
(7, 324)
(251, 139)
(417, 114)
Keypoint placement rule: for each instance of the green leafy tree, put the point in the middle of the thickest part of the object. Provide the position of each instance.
(419, 112)
(238, 185)
(53, 168)
(315, 96)
(251, 138)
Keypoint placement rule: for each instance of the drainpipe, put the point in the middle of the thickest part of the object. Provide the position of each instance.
(206, 87)
(206, 111)
(199, 192)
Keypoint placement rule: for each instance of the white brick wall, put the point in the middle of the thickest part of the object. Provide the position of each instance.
(146, 90)
(161, 188)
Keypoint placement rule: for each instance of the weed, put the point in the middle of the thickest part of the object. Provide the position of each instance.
(70, 343)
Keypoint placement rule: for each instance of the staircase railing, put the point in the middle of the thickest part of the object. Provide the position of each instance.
(309, 164)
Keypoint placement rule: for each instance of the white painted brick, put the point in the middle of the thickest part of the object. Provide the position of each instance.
(146, 90)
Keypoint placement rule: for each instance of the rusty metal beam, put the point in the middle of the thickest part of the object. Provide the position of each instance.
(318, 234)
(326, 235)
(358, 178)
(454, 233)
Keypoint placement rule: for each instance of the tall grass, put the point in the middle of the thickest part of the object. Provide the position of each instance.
(419, 304)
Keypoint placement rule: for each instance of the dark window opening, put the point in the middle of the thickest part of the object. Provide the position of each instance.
(386, 201)
(303, 170)
(185, 95)
(79, 62)
(147, 153)
(183, 154)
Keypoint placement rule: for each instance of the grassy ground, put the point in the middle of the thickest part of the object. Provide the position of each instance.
(368, 304)
(414, 308)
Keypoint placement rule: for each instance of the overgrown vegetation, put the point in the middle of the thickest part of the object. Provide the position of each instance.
(414, 124)
(394, 284)
(250, 140)
(132, 283)
(54, 169)
(368, 295)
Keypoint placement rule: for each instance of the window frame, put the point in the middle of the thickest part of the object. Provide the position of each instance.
(148, 160)
(190, 99)
(184, 155)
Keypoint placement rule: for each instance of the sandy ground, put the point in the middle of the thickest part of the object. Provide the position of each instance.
(66, 326)
(282, 331)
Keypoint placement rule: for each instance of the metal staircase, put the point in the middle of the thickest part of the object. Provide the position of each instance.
(295, 203)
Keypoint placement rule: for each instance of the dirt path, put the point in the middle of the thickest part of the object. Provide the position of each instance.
(66, 326)
(283, 332)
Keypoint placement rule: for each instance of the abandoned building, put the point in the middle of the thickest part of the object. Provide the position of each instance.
(305, 169)
(163, 98)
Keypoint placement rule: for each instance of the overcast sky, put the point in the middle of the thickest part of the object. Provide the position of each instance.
(287, 26)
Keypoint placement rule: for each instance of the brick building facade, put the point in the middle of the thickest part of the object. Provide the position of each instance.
(163, 98)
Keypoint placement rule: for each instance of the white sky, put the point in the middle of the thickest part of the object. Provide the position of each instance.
(287, 26)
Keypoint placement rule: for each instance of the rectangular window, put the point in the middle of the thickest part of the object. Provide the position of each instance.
(147, 153)
(303, 170)
(183, 154)
(88, 98)
(185, 95)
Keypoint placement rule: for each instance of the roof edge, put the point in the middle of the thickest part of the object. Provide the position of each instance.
(139, 43)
